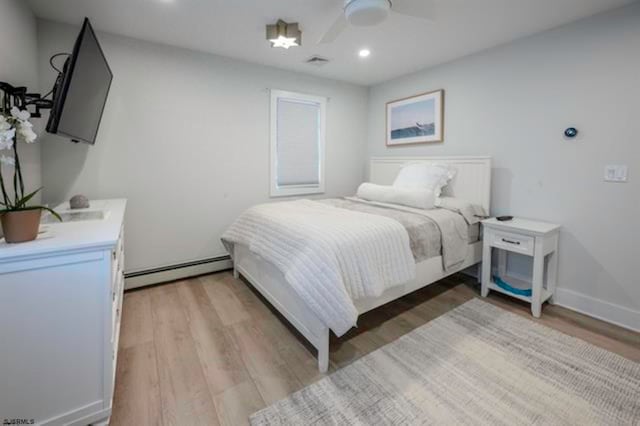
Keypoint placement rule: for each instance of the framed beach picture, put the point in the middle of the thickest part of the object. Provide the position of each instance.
(417, 119)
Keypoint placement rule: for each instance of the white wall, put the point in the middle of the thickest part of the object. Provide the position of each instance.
(513, 103)
(185, 137)
(19, 67)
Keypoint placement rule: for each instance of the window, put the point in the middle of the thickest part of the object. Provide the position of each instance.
(297, 143)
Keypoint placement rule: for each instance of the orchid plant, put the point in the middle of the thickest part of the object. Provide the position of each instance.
(15, 127)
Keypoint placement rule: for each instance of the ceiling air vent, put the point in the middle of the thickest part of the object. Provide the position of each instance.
(317, 61)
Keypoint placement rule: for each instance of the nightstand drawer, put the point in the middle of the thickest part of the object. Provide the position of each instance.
(513, 242)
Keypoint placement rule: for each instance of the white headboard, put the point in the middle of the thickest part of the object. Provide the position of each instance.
(472, 181)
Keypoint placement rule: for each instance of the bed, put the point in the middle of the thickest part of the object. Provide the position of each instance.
(472, 183)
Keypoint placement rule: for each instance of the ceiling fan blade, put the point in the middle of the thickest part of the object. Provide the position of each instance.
(335, 30)
(424, 9)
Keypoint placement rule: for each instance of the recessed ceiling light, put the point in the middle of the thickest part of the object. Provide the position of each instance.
(364, 53)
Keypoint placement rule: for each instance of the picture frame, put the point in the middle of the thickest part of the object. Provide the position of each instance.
(416, 119)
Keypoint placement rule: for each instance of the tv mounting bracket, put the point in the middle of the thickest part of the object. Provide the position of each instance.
(18, 97)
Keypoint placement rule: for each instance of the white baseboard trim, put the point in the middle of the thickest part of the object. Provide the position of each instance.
(605, 311)
(176, 272)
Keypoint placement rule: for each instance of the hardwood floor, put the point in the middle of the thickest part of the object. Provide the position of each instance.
(209, 350)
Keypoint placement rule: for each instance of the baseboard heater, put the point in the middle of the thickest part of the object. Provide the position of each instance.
(176, 272)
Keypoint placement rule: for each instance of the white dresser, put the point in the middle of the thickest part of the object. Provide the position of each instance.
(60, 304)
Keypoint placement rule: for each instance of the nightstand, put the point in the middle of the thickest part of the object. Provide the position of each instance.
(526, 237)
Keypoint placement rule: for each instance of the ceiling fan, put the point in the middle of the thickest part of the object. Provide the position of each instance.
(364, 13)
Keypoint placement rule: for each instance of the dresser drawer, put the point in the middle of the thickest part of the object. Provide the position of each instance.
(115, 272)
(116, 307)
(120, 248)
(517, 243)
(117, 254)
(117, 262)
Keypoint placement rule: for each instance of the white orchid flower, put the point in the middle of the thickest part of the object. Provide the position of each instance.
(6, 144)
(22, 127)
(26, 124)
(26, 134)
(6, 138)
(8, 161)
(8, 134)
(4, 124)
(20, 115)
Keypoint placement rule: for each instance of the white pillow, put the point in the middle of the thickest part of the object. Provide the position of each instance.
(412, 197)
(432, 177)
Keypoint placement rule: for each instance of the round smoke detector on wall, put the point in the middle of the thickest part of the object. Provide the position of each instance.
(364, 13)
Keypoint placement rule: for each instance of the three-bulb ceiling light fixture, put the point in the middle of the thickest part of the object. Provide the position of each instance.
(282, 34)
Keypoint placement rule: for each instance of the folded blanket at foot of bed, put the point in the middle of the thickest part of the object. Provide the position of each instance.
(432, 232)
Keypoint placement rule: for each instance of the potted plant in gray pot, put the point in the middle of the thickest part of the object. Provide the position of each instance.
(20, 220)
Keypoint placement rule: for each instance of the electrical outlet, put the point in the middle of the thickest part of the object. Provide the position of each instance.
(615, 173)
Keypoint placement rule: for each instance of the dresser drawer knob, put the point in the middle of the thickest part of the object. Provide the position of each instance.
(511, 241)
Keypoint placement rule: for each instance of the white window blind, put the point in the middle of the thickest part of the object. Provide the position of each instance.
(297, 143)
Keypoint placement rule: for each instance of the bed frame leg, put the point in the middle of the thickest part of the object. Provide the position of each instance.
(236, 274)
(323, 352)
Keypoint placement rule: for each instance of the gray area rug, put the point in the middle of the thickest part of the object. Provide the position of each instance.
(477, 364)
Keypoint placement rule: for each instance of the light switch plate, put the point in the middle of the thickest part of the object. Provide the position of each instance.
(615, 173)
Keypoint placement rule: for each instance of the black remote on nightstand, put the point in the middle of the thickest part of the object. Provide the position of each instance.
(504, 218)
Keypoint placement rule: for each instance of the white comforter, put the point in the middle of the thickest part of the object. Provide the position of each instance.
(329, 256)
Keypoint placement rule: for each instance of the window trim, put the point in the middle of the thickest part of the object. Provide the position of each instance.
(291, 190)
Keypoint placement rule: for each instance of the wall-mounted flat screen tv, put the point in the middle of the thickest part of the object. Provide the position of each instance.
(81, 90)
